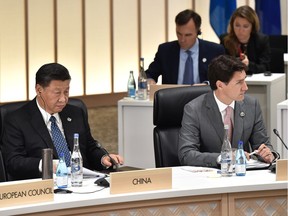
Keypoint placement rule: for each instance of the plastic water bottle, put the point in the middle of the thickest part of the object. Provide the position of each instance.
(226, 155)
(76, 164)
(240, 166)
(62, 172)
(142, 81)
(131, 86)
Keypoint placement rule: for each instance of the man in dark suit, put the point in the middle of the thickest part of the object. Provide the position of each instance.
(202, 132)
(28, 130)
(170, 58)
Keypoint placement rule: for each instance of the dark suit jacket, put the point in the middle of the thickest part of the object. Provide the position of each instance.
(25, 135)
(166, 61)
(202, 132)
(258, 52)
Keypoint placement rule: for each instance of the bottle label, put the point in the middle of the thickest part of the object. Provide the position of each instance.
(142, 84)
(240, 168)
(131, 92)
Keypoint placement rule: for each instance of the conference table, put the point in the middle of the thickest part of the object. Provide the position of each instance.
(195, 191)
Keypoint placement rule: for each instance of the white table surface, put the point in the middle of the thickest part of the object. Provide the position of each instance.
(186, 182)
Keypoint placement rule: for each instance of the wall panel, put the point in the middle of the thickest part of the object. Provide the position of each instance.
(174, 7)
(98, 47)
(12, 51)
(41, 43)
(69, 42)
(152, 27)
(125, 42)
(99, 41)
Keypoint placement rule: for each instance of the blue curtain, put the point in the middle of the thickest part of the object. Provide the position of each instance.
(220, 12)
(269, 15)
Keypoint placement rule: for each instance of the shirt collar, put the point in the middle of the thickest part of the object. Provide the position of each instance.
(46, 116)
(194, 49)
(221, 105)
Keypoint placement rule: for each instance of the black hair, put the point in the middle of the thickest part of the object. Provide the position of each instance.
(223, 68)
(51, 71)
(184, 17)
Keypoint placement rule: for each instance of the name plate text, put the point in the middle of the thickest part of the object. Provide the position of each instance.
(26, 192)
(141, 180)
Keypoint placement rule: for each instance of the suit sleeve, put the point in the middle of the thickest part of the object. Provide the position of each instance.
(259, 133)
(189, 145)
(20, 163)
(155, 68)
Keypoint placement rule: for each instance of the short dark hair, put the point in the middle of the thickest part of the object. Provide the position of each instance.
(51, 71)
(223, 68)
(184, 17)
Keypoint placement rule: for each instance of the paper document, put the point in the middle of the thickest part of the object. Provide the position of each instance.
(256, 164)
(89, 173)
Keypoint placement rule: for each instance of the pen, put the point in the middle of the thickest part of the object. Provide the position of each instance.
(254, 152)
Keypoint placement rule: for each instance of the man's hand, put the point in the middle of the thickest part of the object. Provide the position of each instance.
(106, 161)
(265, 153)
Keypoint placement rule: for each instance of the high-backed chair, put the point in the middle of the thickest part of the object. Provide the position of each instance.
(3, 177)
(278, 45)
(167, 116)
(10, 107)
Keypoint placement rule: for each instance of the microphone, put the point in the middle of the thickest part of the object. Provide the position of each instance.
(115, 165)
(277, 134)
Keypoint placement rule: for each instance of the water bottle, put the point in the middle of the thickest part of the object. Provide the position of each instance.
(226, 155)
(62, 172)
(76, 164)
(142, 81)
(240, 166)
(131, 86)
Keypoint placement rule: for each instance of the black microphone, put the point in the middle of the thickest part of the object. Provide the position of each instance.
(277, 134)
(115, 165)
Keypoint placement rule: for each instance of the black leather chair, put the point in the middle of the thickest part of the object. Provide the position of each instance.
(167, 116)
(278, 45)
(3, 177)
(10, 107)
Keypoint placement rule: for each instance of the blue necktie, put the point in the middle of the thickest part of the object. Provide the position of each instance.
(59, 141)
(188, 72)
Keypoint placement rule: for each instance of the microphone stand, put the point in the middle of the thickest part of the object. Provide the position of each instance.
(115, 165)
(278, 135)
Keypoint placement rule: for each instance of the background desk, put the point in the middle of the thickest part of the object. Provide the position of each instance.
(135, 119)
(282, 126)
(191, 194)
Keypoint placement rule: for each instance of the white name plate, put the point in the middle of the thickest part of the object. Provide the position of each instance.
(26, 192)
(141, 180)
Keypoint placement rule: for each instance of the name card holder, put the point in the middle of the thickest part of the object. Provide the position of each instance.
(155, 87)
(141, 180)
(26, 192)
(281, 170)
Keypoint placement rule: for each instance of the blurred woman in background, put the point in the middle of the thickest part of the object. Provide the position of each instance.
(244, 40)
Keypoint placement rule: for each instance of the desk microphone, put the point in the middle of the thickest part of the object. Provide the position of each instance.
(277, 134)
(114, 164)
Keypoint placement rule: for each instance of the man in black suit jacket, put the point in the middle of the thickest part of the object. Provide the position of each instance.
(170, 58)
(28, 130)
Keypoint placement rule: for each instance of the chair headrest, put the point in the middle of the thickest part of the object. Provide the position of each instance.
(169, 104)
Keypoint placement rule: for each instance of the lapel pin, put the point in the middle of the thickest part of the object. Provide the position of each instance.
(204, 60)
(242, 114)
(69, 119)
